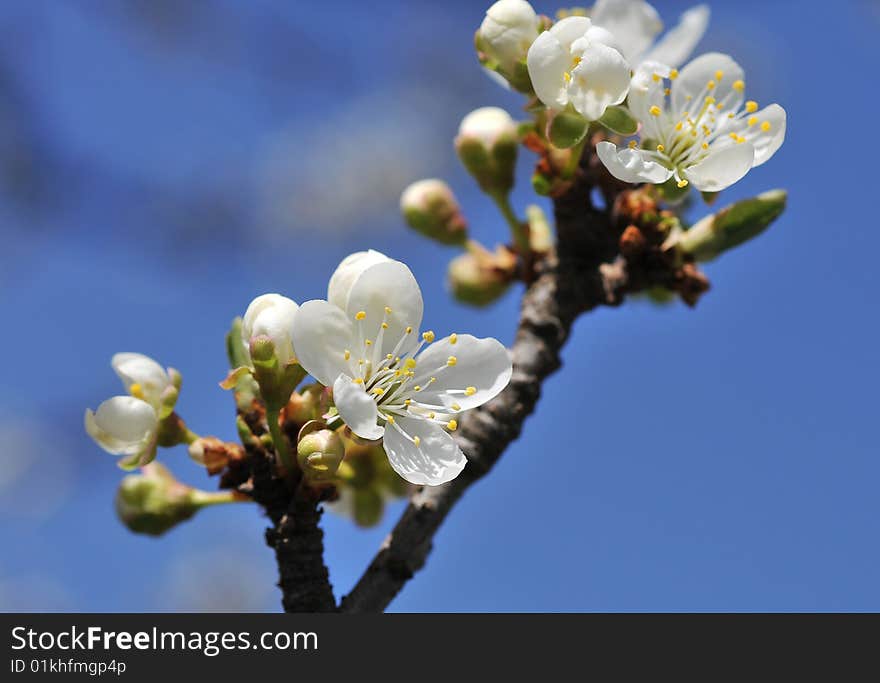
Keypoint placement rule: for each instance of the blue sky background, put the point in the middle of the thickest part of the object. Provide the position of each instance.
(162, 163)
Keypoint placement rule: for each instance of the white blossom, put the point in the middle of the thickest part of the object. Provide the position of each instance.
(571, 64)
(129, 425)
(508, 30)
(635, 24)
(698, 129)
(125, 425)
(271, 315)
(365, 343)
(488, 125)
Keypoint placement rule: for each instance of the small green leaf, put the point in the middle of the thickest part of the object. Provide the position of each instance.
(619, 120)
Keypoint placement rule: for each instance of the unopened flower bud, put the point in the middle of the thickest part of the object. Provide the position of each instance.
(368, 507)
(480, 278)
(270, 316)
(487, 146)
(153, 502)
(430, 208)
(320, 453)
(504, 38)
(731, 226)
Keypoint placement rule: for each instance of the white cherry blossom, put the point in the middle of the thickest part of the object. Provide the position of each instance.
(129, 425)
(635, 24)
(508, 30)
(571, 65)
(696, 127)
(389, 381)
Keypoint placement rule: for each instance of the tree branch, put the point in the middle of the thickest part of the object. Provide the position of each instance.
(578, 280)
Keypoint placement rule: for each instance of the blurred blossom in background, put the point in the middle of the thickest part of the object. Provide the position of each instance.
(162, 163)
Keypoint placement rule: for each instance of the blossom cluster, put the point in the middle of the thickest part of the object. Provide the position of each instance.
(691, 122)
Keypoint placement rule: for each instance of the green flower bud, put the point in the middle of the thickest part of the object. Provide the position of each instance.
(732, 226)
(479, 277)
(368, 507)
(319, 454)
(566, 129)
(430, 208)
(487, 145)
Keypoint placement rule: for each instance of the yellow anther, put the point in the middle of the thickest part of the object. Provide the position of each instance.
(452, 425)
(673, 74)
(398, 373)
(567, 77)
(739, 86)
(378, 391)
(417, 441)
(753, 120)
(432, 415)
(679, 125)
(358, 380)
(455, 406)
(417, 388)
(407, 402)
(766, 126)
(137, 391)
(710, 100)
(389, 356)
(633, 144)
(470, 391)
(409, 330)
(361, 361)
(347, 354)
(575, 61)
(387, 310)
(410, 363)
(390, 419)
(452, 360)
(734, 136)
(654, 110)
(667, 91)
(428, 336)
(711, 85)
(384, 326)
(433, 379)
(655, 78)
(360, 315)
(705, 145)
(719, 75)
(661, 148)
(453, 338)
(368, 342)
(682, 183)
(751, 106)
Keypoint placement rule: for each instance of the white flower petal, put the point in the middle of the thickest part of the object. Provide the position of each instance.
(547, 62)
(136, 368)
(389, 285)
(483, 364)
(634, 23)
(597, 34)
(722, 168)
(569, 30)
(122, 425)
(347, 272)
(321, 336)
(645, 91)
(357, 408)
(631, 165)
(508, 30)
(694, 78)
(272, 315)
(436, 460)
(678, 44)
(767, 142)
(600, 79)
